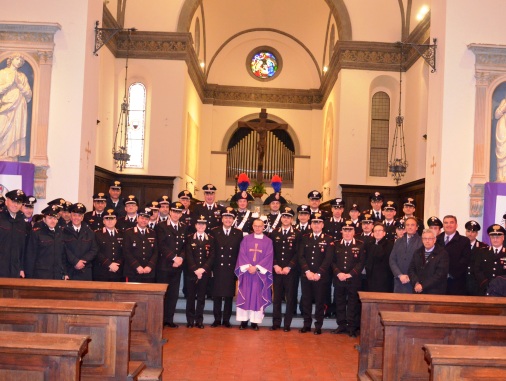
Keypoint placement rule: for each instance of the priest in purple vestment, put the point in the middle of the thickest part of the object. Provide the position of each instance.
(254, 270)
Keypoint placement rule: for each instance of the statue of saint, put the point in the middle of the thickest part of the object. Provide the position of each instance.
(15, 93)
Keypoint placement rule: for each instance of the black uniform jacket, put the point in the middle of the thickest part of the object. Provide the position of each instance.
(12, 244)
(78, 247)
(45, 256)
(226, 250)
(171, 244)
(377, 266)
(315, 255)
(348, 260)
(110, 249)
(139, 250)
(489, 266)
(285, 247)
(199, 254)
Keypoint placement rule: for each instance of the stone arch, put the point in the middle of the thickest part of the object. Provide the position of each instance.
(337, 8)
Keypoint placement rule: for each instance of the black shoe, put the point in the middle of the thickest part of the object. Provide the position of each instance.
(327, 315)
(352, 333)
(339, 330)
(243, 325)
(254, 326)
(215, 324)
(171, 325)
(287, 329)
(199, 325)
(189, 325)
(304, 329)
(274, 328)
(227, 324)
(317, 331)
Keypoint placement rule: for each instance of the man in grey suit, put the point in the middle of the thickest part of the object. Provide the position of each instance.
(401, 256)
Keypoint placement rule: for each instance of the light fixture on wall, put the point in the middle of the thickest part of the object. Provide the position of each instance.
(398, 163)
(120, 147)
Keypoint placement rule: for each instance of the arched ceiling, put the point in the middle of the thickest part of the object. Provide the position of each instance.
(365, 35)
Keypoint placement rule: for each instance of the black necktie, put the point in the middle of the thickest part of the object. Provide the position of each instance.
(142, 232)
(285, 232)
(200, 238)
(131, 220)
(226, 233)
(377, 215)
(111, 234)
(496, 251)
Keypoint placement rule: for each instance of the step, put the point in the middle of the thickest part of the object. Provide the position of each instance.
(150, 374)
(134, 368)
(297, 321)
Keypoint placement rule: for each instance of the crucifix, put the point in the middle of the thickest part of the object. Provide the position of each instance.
(433, 165)
(261, 127)
(256, 249)
(88, 151)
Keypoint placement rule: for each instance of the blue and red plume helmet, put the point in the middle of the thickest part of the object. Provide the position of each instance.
(243, 182)
(276, 183)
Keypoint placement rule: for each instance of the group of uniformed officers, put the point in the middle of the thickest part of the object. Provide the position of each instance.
(369, 250)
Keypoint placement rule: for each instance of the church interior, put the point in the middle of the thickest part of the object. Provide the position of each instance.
(191, 57)
(338, 76)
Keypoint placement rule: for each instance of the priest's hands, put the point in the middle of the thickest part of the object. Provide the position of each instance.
(252, 269)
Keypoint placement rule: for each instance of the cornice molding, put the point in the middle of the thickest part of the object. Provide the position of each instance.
(356, 55)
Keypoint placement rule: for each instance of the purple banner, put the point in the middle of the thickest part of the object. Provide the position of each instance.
(25, 170)
(494, 207)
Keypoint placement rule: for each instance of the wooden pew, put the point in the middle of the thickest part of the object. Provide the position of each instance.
(406, 333)
(147, 323)
(465, 362)
(106, 323)
(371, 330)
(41, 356)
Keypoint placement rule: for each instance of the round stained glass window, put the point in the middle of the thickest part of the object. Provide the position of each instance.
(264, 63)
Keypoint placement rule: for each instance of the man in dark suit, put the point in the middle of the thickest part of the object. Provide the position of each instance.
(94, 218)
(171, 236)
(45, 257)
(389, 211)
(315, 255)
(80, 245)
(401, 255)
(130, 218)
(428, 269)
(459, 250)
(315, 199)
(114, 199)
(376, 200)
(347, 265)
(285, 240)
(472, 229)
(108, 266)
(209, 208)
(492, 260)
(377, 266)
(199, 259)
(140, 250)
(227, 241)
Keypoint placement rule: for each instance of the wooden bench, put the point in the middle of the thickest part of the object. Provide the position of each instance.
(41, 356)
(371, 330)
(106, 323)
(406, 333)
(147, 324)
(465, 362)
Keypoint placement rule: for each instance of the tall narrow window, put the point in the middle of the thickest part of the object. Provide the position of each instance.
(136, 124)
(380, 120)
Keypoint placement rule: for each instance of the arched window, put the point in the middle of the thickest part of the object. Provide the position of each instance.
(242, 155)
(136, 124)
(380, 121)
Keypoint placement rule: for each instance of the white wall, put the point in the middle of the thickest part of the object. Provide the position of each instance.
(456, 23)
(73, 106)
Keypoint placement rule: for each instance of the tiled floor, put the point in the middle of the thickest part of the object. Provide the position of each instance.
(231, 354)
